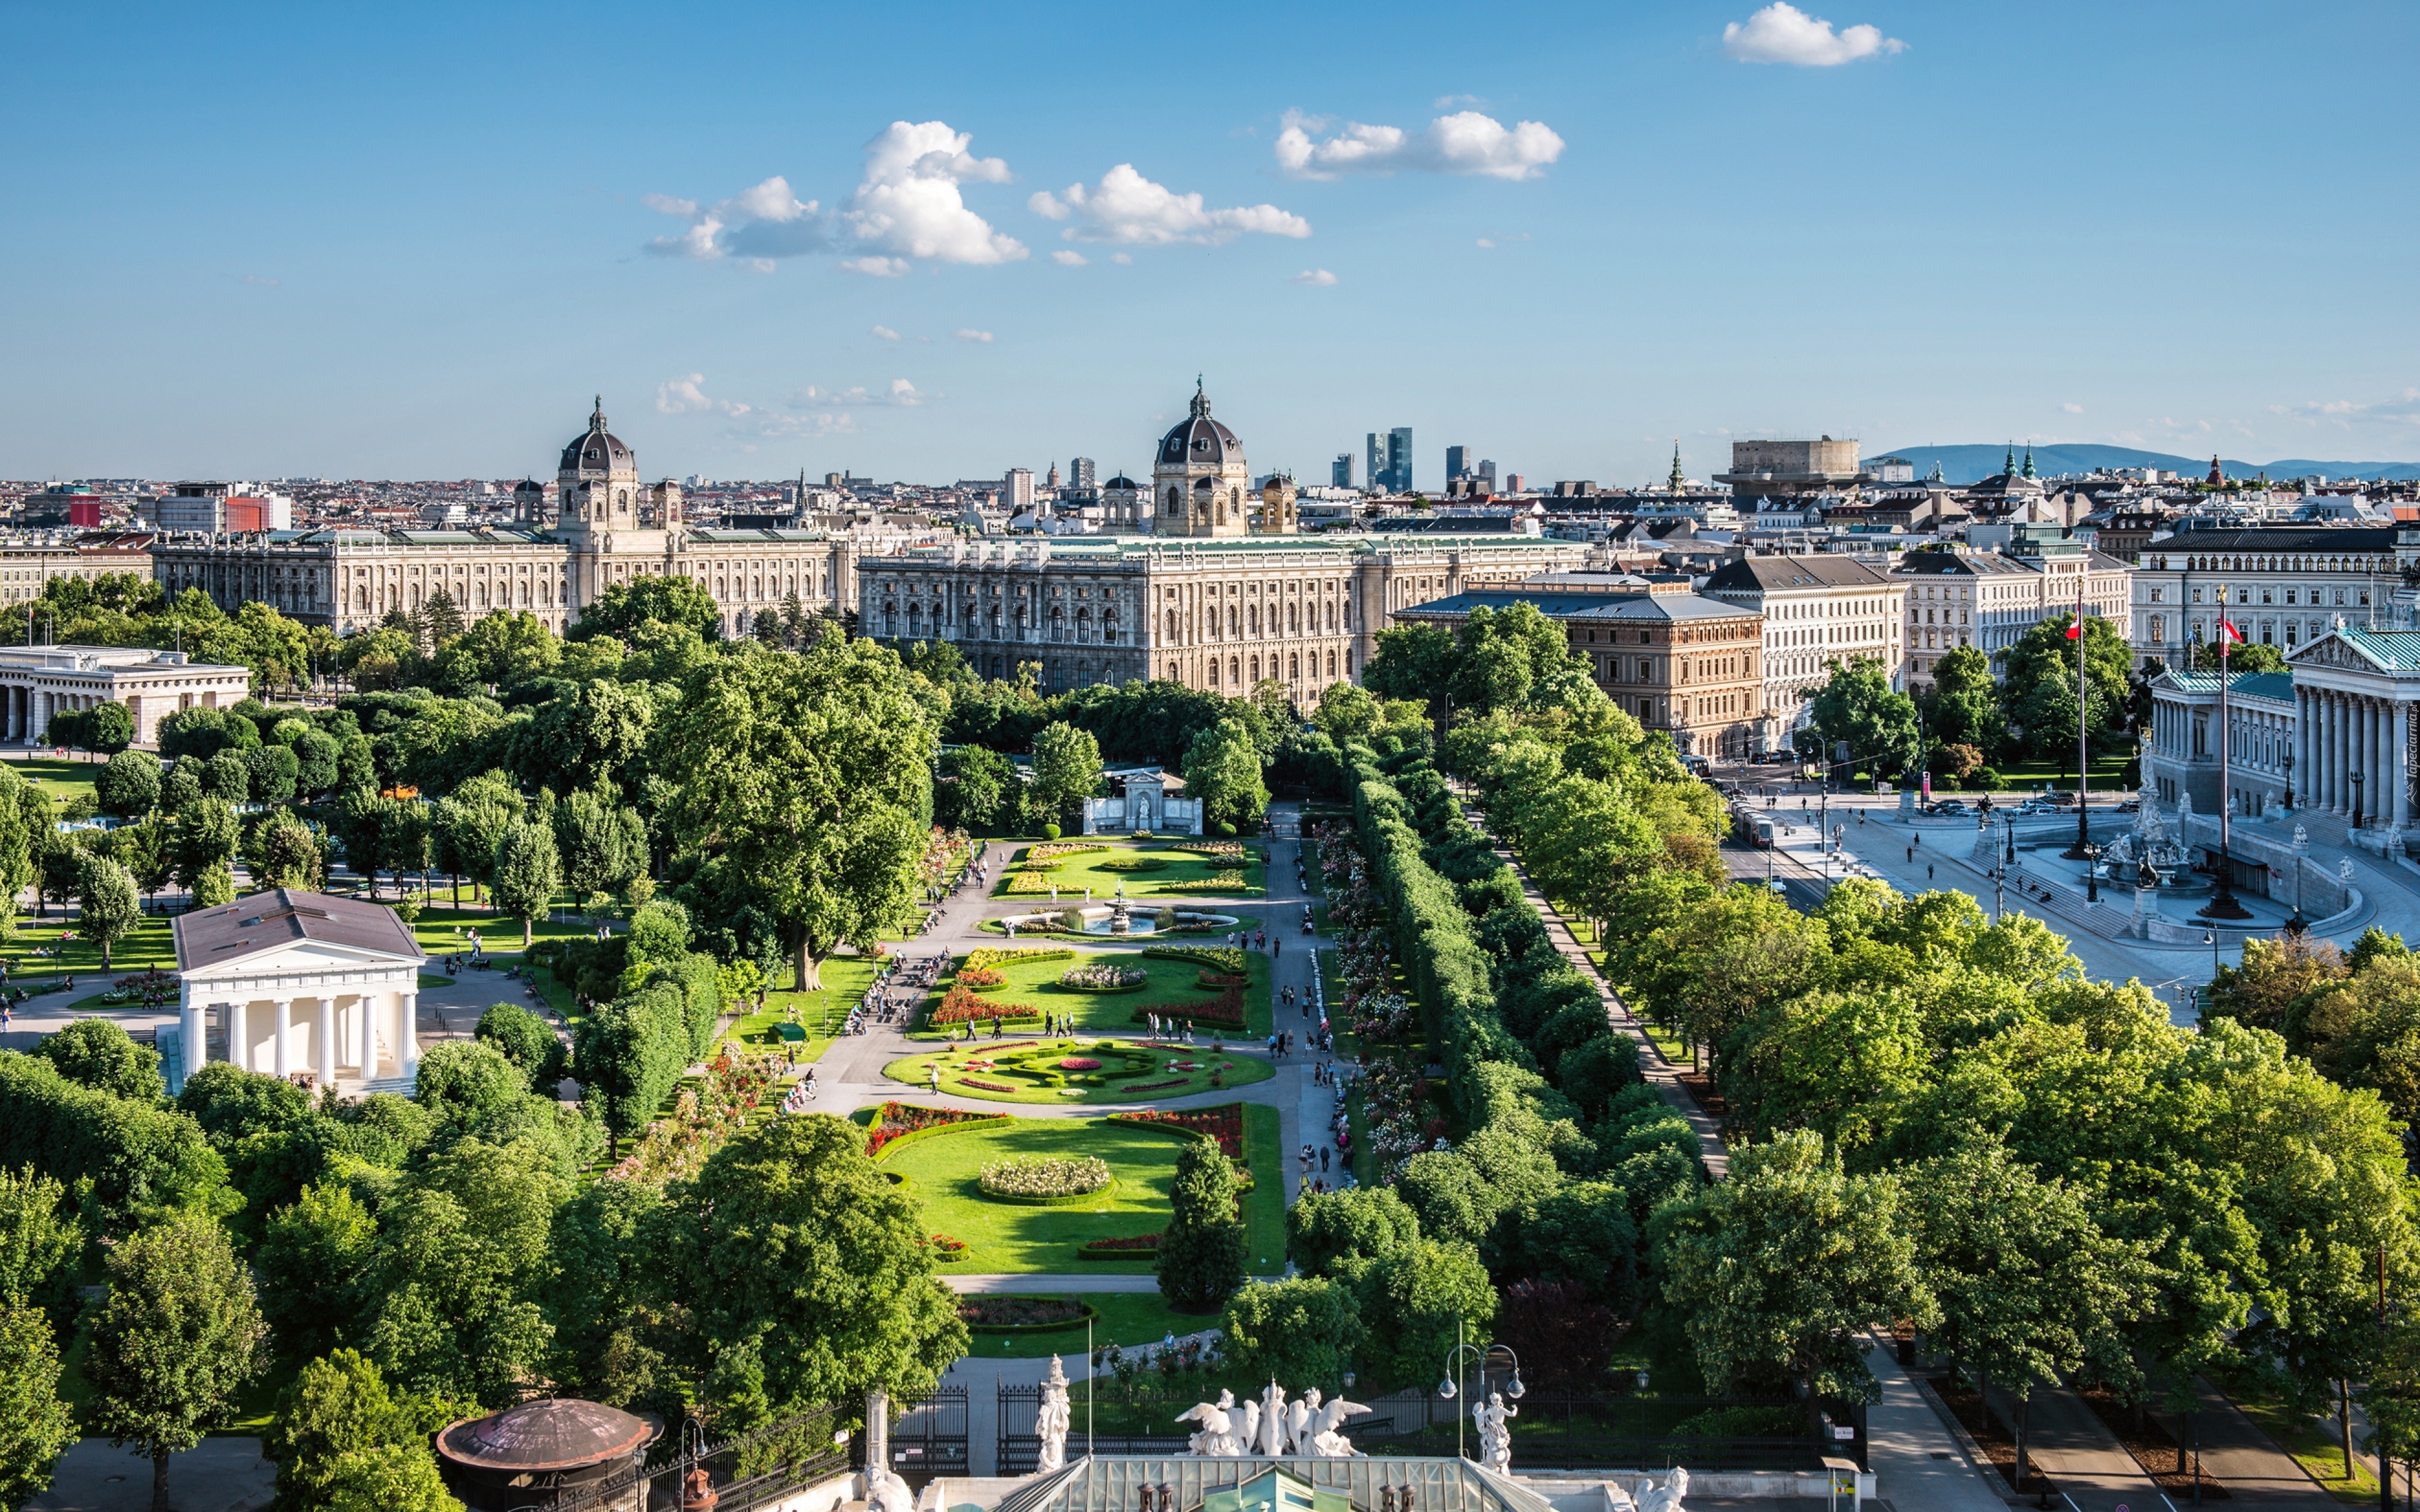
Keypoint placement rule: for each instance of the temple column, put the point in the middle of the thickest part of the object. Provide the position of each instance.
(366, 1014)
(323, 1043)
(238, 1048)
(282, 1036)
(2330, 757)
(192, 1049)
(2400, 761)
(2371, 776)
(408, 1009)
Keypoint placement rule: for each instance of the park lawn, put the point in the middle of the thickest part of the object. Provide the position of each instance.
(845, 978)
(1127, 1318)
(149, 944)
(64, 778)
(441, 928)
(1265, 1206)
(1034, 984)
(941, 1173)
(1075, 873)
(958, 1080)
(2313, 1443)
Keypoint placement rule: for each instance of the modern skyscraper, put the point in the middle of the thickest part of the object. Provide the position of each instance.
(1339, 473)
(1456, 460)
(1486, 468)
(1016, 490)
(1399, 459)
(1081, 473)
(1375, 466)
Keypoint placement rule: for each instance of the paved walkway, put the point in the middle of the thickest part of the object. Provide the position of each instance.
(219, 1474)
(1917, 1462)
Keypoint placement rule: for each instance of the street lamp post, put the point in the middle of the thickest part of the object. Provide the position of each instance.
(1451, 1387)
(2091, 873)
(2289, 781)
(2354, 776)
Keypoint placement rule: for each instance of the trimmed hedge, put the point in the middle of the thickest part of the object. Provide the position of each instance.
(1230, 959)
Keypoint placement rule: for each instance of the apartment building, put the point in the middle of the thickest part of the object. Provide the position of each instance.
(1818, 611)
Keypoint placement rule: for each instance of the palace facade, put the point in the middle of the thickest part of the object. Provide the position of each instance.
(612, 529)
(1207, 600)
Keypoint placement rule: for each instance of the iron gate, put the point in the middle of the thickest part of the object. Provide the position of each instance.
(928, 1437)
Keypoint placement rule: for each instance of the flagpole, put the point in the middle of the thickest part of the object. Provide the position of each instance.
(2082, 851)
(2222, 902)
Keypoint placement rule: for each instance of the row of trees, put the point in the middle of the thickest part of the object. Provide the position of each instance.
(1945, 1123)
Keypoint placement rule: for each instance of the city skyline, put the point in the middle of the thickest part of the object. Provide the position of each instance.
(800, 254)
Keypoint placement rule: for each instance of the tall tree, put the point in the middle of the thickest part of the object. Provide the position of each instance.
(443, 619)
(469, 821)
(526, 874)
(1202, 1250)
(205, 839)
(2038, 683)
(339, 1422)
(1067, 769)
(602, 843)
(1223, 771)
(1857, 707)
(2029, 1287)
(99, 1054)
(1780, 1269)
(128, 785)
(802, 1275)
(171, 1348)
(805, 782)
(107, 904)
(974, 787)
(669, 600)
(36, 1426)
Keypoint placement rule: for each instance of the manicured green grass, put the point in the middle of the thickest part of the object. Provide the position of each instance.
(1010, 1237)
(2314, 1444)
(1074, 873)
(1003, 1236)
(149, 944)
(846, 981)
(1127, 1318)
(64, 779)
(442, 929)
(1173, 983)
(966, 1065)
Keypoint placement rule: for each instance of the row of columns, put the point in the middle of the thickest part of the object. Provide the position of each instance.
(285, 1055)
(30, 710)
(2340, 735)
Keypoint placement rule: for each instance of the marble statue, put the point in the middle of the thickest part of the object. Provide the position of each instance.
(2344, 869)
(1273, 1420)
(1495, 1422)
(1664, 1498)
(1216, 1435)
(1051, 1423)
(1298, 1418)
(1325, 1442)
(1246, 1435)
(886, 1492)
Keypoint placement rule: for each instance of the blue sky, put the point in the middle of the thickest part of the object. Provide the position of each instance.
(411, 242)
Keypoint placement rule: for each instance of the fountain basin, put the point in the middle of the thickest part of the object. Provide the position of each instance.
(1101, 919)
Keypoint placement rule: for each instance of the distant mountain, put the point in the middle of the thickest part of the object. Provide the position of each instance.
(1972, 464)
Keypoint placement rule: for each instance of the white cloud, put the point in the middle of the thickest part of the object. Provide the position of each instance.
(1449, 101)
(1782, 33)
(2399, 410)
(909, 204)
(886, 332)
(258, 281)
(971, 334)
(1124, 257)
(1316, 277)
(686, 396)
(2073, 409)
(759, 224)
(1124, 206)
(877, 267)
(901, 392)
(1069, 259)
(1486, 242)
(1464, 143)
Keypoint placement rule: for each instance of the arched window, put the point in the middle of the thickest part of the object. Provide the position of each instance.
(1171, 665)
(1172, 627)
(1256, 669)
(1294, 668)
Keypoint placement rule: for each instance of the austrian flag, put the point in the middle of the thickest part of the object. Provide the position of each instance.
(2228, 633)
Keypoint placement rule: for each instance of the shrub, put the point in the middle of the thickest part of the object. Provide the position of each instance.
(1051, 831)
(1200, 1257)
(1230, 959)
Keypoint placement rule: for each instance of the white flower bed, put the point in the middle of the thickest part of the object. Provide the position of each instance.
(1038, 1176)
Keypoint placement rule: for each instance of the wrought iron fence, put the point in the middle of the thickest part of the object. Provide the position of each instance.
(756, 1469)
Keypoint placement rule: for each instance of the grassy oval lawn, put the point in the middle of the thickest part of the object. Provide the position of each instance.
(942, 1174)
(1028, 1070)
(1150, 869)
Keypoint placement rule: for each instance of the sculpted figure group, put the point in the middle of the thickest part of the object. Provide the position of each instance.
(1272, 1426)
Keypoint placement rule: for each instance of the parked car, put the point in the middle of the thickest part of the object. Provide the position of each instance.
(2062, 797)
(2129, 806)
(1952, 805)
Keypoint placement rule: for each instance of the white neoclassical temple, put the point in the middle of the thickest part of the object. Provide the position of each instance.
(38, 682)
(299, 983)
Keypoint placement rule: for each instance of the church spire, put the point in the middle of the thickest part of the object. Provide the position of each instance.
(2030, 460)
(2009, 467)
(1679, 480)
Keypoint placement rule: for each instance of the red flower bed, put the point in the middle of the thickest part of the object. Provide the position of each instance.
(1225, 1010)
(1224, 1123)
(987, 1086)
(961, 1004)
(1078, 1063)
(980, 977)
(1152, 1086)
(896, 1119)
(1132, 1241)
(948, 1245)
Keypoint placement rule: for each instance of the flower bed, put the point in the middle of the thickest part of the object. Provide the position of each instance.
(1223, 1123)
(1105, 977)
(1119, 1249)
(675, 1148)
(1230, 959)
(984, 1086)
(985, 957)
(894, 1121)
(1129, 865)
(1152, 1086)
(1053, 850)
(1046, 1179)
(1003, 1315)
(980, 978)
(1080, 1063)
(962, 1005)
(1218, 982)
(1225, 1010)
(946, 1249)
(1217, 882)
(1028, 884)
(1220, 849)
